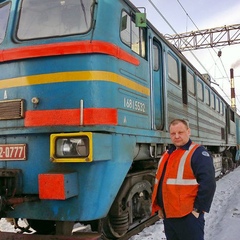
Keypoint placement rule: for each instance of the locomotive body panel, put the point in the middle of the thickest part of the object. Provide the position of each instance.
(86, 100)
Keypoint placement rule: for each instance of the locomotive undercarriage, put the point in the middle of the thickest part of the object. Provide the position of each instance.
(224, 159)
(130, 208)
(11, 190)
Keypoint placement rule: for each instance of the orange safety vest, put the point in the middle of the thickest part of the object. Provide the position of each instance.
(179, 187)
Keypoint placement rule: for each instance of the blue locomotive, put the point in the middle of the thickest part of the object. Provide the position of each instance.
(87, 90)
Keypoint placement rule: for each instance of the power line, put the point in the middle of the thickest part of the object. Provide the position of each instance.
(224, 68)
(154, 6)
(187, 14)
(175, 32)
(208, 41)
(203, 37)
(208, 49)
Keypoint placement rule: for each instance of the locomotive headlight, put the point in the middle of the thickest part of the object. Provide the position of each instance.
(80, 147)
(72, 147)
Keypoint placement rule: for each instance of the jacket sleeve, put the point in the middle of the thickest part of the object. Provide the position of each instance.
(203, 169)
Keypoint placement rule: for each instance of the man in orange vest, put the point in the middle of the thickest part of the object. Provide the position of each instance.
(184, 185)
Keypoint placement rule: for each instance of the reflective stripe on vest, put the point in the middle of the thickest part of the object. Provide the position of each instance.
(179, 180)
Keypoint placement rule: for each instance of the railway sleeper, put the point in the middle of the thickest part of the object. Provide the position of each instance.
(79, 236)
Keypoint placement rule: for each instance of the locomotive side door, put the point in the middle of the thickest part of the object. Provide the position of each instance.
(157, 76)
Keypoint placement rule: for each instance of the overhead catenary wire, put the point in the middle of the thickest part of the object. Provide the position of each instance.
(196, 58)
(199, 30)
(211, 54)
(155, 7)
(174, 31)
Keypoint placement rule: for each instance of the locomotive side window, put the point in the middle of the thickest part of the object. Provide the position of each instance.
(48, 18)
(232, 115)
(138, 41)
(4, 15)
(126, 29)
(133, 36)
(173, 69)
(222, 108)
(207, 96)
(217, 105)
(191, 83)
(212, 100)
(156, 58)
(200, 90)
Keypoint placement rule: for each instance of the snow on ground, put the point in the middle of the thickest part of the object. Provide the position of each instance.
(223, 221)
(6, 226)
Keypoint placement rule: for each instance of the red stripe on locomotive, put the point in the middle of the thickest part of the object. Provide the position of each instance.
(70, 117)
(54, 49)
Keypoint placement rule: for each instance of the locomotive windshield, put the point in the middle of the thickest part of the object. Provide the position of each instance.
(4, 14)
(51, 18)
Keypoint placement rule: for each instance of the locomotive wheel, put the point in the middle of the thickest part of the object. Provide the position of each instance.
(135, 207)
(230, 164)
(43, 227)
(140, 198)
(115, 227)
(225, 166)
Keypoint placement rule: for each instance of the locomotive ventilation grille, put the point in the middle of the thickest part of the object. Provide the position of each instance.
(11, 109)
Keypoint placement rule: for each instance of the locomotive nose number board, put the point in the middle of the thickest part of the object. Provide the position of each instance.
(12, 152)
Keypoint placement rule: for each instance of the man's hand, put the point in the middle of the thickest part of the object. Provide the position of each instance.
(160, 214)
(196, 214)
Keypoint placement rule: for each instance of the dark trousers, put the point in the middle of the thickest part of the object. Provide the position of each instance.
(185, 228)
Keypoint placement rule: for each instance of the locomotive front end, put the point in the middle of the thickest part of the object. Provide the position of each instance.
(73, 105)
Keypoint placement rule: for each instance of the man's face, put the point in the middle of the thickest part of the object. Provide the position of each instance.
(179, 134)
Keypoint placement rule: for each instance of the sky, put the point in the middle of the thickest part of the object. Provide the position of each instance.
(186, 16)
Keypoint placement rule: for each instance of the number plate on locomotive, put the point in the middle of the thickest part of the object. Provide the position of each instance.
(12, 152)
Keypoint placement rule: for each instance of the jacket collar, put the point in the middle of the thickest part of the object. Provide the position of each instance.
(184, 147)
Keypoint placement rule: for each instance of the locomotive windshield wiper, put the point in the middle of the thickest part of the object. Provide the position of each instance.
(84, 11)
